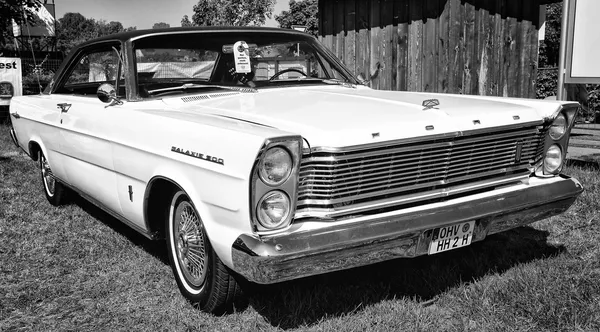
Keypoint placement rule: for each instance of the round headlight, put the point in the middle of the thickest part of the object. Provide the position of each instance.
(553, 159)
(273, 209)
(558, 127)
(275, 167)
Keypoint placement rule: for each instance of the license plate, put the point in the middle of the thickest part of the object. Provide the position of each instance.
(451, 237)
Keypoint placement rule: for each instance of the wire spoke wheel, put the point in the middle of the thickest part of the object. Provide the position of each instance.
(47, 176)
(200, 275)
(188, 235)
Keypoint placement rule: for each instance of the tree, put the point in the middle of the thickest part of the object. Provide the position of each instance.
(161, 25)
(14, 10)
(73, 29)
(185, 21)
(302, 12)
(550, 47)
(232, 12)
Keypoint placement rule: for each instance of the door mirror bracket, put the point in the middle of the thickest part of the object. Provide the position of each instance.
(107, 94)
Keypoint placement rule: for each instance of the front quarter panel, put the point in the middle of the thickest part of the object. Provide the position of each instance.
(210, 158)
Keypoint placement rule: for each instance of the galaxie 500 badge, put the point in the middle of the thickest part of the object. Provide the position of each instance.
(198, 155)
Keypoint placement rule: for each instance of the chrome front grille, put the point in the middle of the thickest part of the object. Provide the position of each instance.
(339, 179)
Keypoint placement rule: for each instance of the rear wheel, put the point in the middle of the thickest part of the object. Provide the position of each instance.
(54, 190)
(201, 276)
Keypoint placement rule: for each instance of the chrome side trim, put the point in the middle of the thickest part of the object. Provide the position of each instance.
(314, 247)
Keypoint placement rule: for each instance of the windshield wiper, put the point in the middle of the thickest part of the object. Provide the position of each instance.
(202, 86)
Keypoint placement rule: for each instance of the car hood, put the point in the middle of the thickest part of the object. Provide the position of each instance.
(341, 116)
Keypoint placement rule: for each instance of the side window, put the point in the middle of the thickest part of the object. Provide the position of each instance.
(92, 69)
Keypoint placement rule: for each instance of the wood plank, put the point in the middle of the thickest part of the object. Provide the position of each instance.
(362, 39)
(456, 34)
(350, 42)
(470, 43)
(328, 25)
(512, 60)
(498, 47)
(376, 61)
(339, 27)
(401, 11)
(477, 52)
(430, 31)
(415, 42)
(484, 49)
(534, 57)
(389, 68)
(525, 59)
(443, 48)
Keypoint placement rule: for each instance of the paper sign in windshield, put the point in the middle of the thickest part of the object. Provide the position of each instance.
(241, 55)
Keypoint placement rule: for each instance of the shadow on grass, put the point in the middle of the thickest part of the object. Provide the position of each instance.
(155, 248)
(307, 301)
(592, 162)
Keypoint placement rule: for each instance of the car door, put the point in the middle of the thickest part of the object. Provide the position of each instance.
(85, 124)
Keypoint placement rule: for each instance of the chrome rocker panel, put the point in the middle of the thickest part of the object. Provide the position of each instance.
(366, 240)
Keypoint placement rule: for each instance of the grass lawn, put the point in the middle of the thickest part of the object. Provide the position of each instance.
(76, 268)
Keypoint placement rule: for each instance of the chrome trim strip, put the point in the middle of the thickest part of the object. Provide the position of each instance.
(325, 213)
(314, 247)
(455, 134)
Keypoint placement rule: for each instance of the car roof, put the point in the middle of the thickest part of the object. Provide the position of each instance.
(135, 34)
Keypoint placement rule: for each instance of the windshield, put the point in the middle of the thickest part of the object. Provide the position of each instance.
(165, 62)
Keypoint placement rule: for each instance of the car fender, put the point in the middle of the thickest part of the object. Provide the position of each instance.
(222, 223)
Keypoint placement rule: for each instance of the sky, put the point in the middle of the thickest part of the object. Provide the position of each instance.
(141, 13)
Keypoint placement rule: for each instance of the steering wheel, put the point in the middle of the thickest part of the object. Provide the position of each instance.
(277, 74)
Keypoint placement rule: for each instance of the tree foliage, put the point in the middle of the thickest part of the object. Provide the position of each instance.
(161, 25)
(302, 12)
(547, 76)
(14, 10)
(74, 28)
(232, 12)
(550, 47)
(185, 21)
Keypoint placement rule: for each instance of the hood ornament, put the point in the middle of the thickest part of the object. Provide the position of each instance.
(430, 103)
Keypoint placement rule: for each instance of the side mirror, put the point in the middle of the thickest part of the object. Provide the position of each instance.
(107, 94)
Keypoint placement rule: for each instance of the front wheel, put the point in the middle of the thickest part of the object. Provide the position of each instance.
(54, 190)
(201, 276)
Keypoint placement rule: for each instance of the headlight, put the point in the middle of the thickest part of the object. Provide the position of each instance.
(273, 209)
(275, 167)
(553, 159)
(558, 127)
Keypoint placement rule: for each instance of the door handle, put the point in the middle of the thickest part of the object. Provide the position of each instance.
(64, 107)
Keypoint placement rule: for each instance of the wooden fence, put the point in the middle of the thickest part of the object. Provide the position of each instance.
(483, 47)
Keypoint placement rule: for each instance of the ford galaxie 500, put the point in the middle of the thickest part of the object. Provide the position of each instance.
(255, 153)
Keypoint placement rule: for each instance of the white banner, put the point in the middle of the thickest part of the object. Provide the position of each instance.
(11, 79)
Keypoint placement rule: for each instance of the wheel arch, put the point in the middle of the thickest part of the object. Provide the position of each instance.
(222, 226)
(34, 147)
(157, 200)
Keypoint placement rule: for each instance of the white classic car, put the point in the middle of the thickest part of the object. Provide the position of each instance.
(255, 154)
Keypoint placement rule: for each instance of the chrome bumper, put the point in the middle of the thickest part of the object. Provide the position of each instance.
(314, 247)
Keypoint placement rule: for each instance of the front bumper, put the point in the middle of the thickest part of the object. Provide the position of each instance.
(315, 247)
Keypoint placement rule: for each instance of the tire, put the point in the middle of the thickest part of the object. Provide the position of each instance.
(201, 276)
(54, 190)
